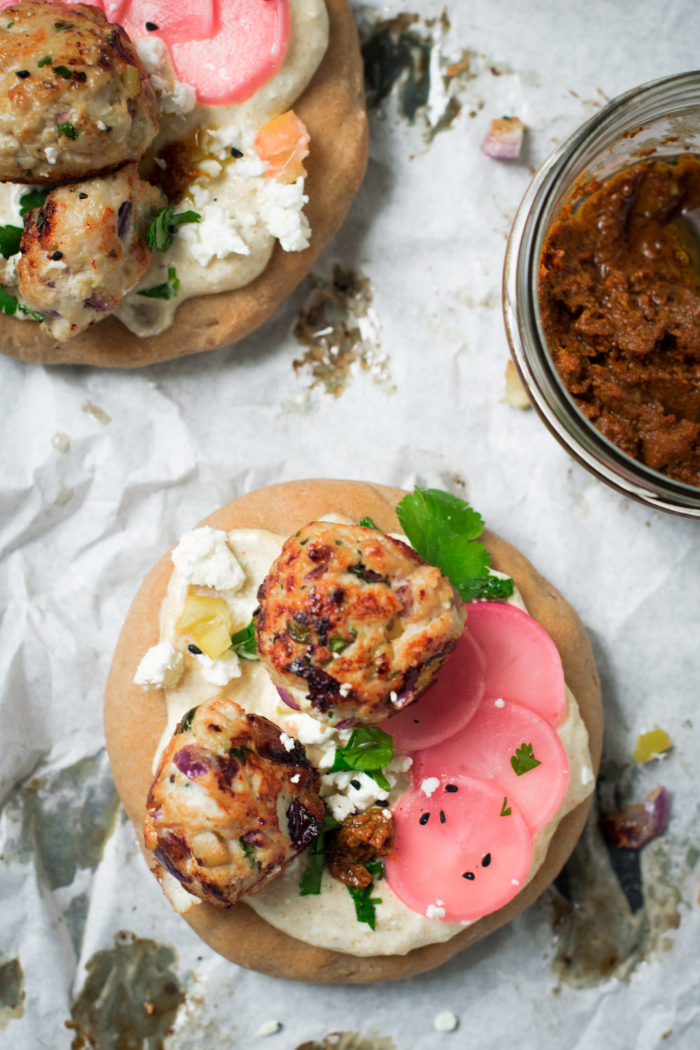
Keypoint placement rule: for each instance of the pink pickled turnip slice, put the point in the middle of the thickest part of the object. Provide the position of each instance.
(178, 23)
(485, 747)
(522, 661)
(247, 49)
(466, 859)
(448, 705)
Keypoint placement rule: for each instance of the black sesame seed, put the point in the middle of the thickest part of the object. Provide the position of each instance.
(236, 152)
(469, 875)
(451, 787)
(192, 648)
(56, 256)
(356, 784)
(416, 722)
(424, 819)
(82, 196)
(151, 27)
(485, 861)
(442, 817)
(172, 778)
(22, 73)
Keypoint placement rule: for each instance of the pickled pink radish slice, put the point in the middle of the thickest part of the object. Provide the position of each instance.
(469, 865)
(177, 22)
(448, 705)
(522, 661)
(484, 749)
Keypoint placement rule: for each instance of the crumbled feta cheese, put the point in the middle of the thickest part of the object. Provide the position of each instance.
(586, 775)
(269, 1028)
(221, 671)
(249, 168)
(393, 697)
(173, 96)
(433, 912)
(101, 126)
(160, 668)
(309, 730)
(345, 689)
(281, 210)
(51, 154)
(445, 1022)
(353, 792)
(429, 785)
(288, 741)
(340, 806)
(176, 893)
(515, 882)
(295, 779)
(212, 168)
(500, 703)
(203, 557)
(215, 236)
(386, 813)
(400, 764)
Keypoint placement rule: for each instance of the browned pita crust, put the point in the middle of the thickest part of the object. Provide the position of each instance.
(134, 721)
(333, 109)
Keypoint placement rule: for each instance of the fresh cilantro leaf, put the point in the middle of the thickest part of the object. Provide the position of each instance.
(45, 61)
(368, 750)
(167, 290)
(367, 575)
(67, 130)
(443, 530)
(63, 71)
(160, 232)
(63, 25)
(10, 237)
(8, 303)
(375, 867)
(336, 645)
(367, 523)
(505, 812)
(365, 904)
(239, 753)
(33, 199)
(185, 722)
(249, 851)
(310, 882)
(243, 642)
(28, 312)
(523, 760)
(495, 587)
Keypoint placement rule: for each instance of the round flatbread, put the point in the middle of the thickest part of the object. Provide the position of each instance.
(134, 722)
(333, 109)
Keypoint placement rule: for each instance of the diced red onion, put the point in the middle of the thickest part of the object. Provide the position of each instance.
(504, 139)
(287, 698)
(194, 762)
(640, 823)
(345, 724)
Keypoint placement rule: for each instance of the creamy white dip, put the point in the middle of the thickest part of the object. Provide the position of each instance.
(326, 920)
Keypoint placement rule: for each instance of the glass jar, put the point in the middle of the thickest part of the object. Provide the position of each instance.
(664, 110)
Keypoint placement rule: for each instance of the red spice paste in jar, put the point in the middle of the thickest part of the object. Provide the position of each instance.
(619, 290)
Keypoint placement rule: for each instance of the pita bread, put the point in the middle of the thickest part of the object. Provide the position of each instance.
(134, 721)
(333, 109)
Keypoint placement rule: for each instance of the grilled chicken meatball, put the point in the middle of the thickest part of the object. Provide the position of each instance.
(356, 619)
(85, 248)
(231, 805)
(75, 99)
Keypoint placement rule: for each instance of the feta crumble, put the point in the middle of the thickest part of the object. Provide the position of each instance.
(434, 912)
(281, 207)
(160, 668)
(269, 1028)
(172, 95)
(445, 1022)
(288, 741)
(500, 703)
(429, 785)
(220, 671)
(51, 154)
(215, 236)
(204, 558)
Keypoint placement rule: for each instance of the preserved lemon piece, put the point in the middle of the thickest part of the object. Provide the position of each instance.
(282, 144)
(651, 745)
(208, 620)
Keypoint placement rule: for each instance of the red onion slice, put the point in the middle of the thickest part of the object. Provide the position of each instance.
(287, 698)
(640, 823)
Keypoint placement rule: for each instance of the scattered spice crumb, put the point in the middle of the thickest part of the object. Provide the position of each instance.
(515, 394)
(504, 139)
(652, 745)
(269, 1028)
(61, 442)
(96, 412)
(445, 1021)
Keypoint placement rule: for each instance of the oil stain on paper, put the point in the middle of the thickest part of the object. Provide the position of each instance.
(350, 1041)
(130, 997)
(12, 994)
(612, 909)
(340, 330)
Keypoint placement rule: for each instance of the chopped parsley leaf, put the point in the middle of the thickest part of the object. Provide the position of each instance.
(160, 232)
(243, 642)
(10, 237)
(367, 523)
(249, 851)
(310, 882)
(337, 645)
(63, 25)
(365, 903)
(368, 750)
(495, 587)
(523, 760)
(8, 303)
(167, 290)
(186, 722)
(68, 131)
(505, 812)
(45, 61)
(63, 71)
(28, 312)
(33, 199)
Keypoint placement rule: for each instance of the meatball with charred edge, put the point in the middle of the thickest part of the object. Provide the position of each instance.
(75, 99)
(230, 806)
(85, 248)
(357, 621)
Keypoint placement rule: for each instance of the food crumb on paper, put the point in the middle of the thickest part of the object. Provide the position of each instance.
(651, 745)
(504, 139)
(96, 412)
(61, 442)
(445, 1021)
(269, 1028)
(515, 394)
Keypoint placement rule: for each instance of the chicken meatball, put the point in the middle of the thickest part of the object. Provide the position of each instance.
(233, 802)
(75, 99)
(85, 248)
(357, 620)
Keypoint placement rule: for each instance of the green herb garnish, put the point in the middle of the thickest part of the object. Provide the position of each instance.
(160, 232)
(369, 750)
(505, 812)
(45, 61)
(365, 903)
(8, 303)
(243, 642)
(186, 722)
(63, 71)
(239, 753)
(523, 760)
(367, 575)
(10, 236)
(167, 290)
(337, 645)
(68, 131)
(28, 312)
(33, 199)
(298, 631)
(310, 882)
(249, 851)
(63, 25)
(367, 523)
(495, 587)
